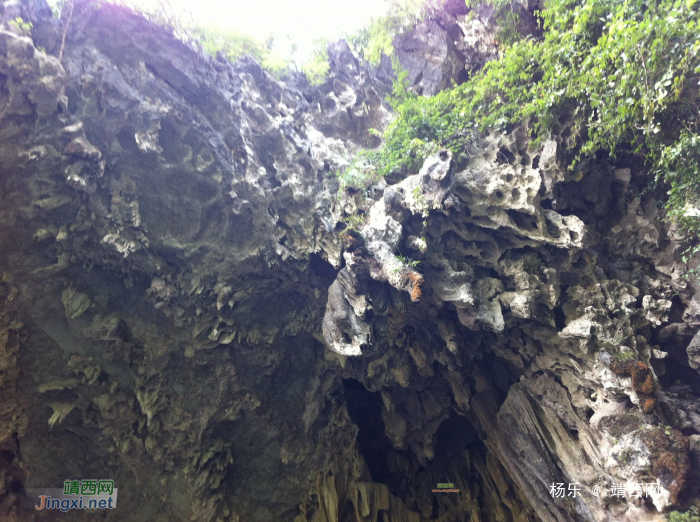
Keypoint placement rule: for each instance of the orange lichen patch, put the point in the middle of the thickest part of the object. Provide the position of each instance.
(648, 405)
(416, 280)
(416, 293)
(352, 241)
(642, 381)
(620, 368)
(670, 461)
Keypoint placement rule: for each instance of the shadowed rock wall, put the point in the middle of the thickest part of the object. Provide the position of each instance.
(183, 309)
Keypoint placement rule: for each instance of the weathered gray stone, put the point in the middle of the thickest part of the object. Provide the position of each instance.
(184, 309)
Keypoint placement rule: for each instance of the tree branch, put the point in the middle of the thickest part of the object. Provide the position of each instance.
(65, 31)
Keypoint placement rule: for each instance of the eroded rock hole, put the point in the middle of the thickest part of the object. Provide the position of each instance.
(510, 128)
(488, 250)
(323, 269)
(169, 140)
(463, 76)
(329, 104)
(460, 458)
(553, 229)
(6, 457)
(128, 141)
(559, 317)
(505, 157)
(678, 373)
(14, 487)
(418, 79)
(522, 220)
(453, 436)
(566, 134)
(436, 508)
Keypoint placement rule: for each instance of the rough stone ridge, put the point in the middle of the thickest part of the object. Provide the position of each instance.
(186, 308)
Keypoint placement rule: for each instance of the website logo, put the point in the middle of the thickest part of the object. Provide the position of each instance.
(446, 487)
(76, 494)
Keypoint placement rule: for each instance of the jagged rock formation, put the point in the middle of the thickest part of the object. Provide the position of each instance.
(182, 308)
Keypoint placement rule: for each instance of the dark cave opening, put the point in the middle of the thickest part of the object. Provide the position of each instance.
(559, 317)
(459, 457)
(453, 436)
(504, 156)
(522, 220)
(365, 410)
(501, 375)
(676, 373)
(322, 268)
(436, 508)
(674, 370)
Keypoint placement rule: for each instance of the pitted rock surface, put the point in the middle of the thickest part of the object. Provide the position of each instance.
(185, 309)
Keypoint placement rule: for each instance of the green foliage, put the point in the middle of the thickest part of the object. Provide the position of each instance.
(214, 39)
(316, 69)
(667, 429)
(624, 356)
(622, 75)
(612, 66)
(421, 127)
(423, 206)
(625, 456)
(533, 265)
(679, 165)
(355, 221)
(692, 515)
(24, 28)
(690, 252)
(359, 174)
(57, 7)
(406, 262)
(370, 42)
(231, 44)
(506, 17)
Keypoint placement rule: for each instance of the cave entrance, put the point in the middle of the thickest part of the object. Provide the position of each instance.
(365, 410)
(453, 436)
(459, 457)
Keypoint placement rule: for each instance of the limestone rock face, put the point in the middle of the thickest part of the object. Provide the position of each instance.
(430, 56)
(453, 43)
(185, 309)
